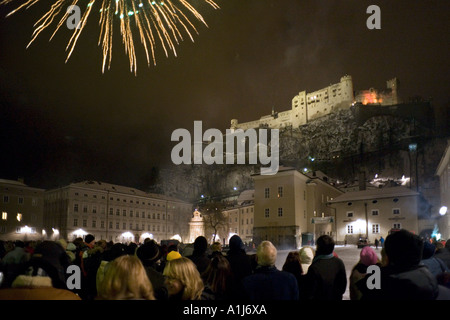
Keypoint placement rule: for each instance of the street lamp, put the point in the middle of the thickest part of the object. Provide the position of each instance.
(443, 210)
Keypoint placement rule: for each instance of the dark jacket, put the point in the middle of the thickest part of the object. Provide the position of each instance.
(444, 255)
(269, 283)
(326, 278)
(415, 283)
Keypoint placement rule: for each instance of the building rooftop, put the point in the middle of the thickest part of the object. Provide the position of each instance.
(379, 193)
(104, 186)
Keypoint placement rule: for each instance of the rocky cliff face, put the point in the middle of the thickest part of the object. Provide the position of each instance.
(340, 145)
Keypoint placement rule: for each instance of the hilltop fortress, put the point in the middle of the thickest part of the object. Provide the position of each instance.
(313, 105)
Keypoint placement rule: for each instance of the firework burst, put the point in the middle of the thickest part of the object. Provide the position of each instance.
(156, 23)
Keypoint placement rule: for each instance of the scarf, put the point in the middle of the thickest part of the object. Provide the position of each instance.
(323, 256)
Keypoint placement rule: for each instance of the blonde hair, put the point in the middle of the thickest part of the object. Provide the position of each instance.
(126, 278)
(266, 254)
(185, 271)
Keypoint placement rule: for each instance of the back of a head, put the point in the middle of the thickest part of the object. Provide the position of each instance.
(126, 278)
(403, 249)
(236, 243)
(266, 254)
(325, 245)
(200, 245)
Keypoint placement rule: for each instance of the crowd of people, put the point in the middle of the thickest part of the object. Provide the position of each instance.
(410, 268)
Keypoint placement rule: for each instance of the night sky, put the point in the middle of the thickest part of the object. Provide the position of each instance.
(62, 122)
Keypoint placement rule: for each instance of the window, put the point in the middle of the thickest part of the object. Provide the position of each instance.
(4, 215)
(117, 225)
(376, 228)
(349, 214)
(5, 199)
(124, 213)
(396, 211)
(20, 200)
(266, 193)
(84, 223)
(94, 209)
(266, 213)
(85, 208)
(280, 212)
(75, 222)
(19, 217)
(349, 229)
(110, 224)
(117, 212)
(396, 226)
(75, 207)
(375, 212)
(102, 224)
(111, 211)
(280, 192)
(94, 223)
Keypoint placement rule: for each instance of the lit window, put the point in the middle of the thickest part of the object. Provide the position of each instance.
(349, 229)
(4, 215)
(19, 217)
(280, 192)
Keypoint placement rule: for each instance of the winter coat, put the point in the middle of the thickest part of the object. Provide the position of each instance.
(435, 265)
(326, 278)
(415, 283)
(444, 255)
(269, 283)
(35, 288)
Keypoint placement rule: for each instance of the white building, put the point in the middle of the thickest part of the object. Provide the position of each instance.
(306, 107)
(373, 213)
(21, 209)
(114, 213)
(443, 171)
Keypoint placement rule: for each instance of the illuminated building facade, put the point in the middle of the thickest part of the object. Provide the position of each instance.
(374, 213)
(115, 213)
(309, 106)
(443, 171)
(306, 107)
(21, 209)
(291, 206)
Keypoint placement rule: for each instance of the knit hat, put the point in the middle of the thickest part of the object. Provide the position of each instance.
(306, 257)
(149, 252)
(428, 250)
(236, 243)
(368, 256)
(173, 255)
(89, 238)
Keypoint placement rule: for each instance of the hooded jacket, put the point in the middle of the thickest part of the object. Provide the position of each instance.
(416, 283)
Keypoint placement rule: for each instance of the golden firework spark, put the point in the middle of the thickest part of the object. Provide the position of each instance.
(160, 22)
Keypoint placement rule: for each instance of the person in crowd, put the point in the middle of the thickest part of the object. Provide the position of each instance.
(403, 277)
(306, 257)
(268, 283)
(44, 276)
(182, 278)
(218, 280)
(444, 253)
(216, 248)
(367, 257)
(429, 259)
(326, 278)
(14, 262)
(149, 253)
(126, 279)
(293, 265)
(240, 263)
(109, 255)
(200, 256)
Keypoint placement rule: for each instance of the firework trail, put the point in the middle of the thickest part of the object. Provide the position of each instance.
(162, 22)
